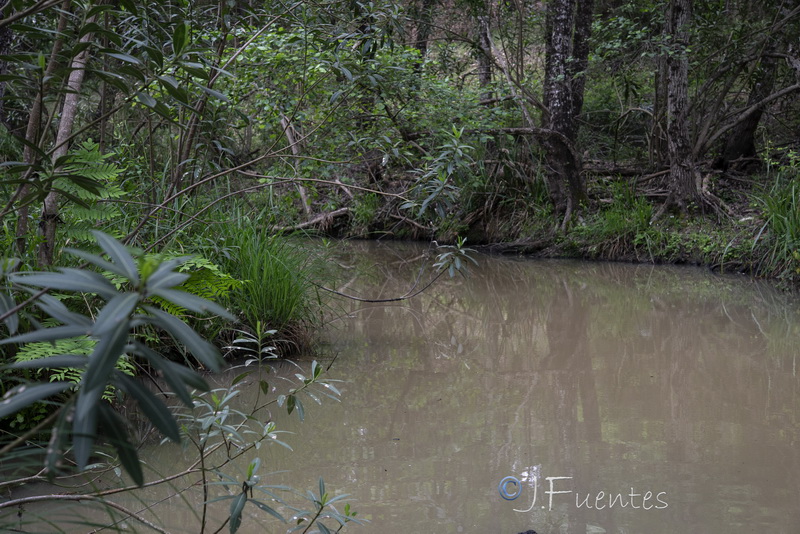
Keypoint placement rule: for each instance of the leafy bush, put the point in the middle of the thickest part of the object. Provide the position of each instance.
(82, 416)
(88, 352)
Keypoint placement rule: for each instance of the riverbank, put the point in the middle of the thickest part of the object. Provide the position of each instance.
(753, 230)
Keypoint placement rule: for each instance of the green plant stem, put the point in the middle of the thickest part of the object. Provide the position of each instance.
(314, 520)
(205, 489)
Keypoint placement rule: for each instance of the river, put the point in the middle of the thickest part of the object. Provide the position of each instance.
(629, 399)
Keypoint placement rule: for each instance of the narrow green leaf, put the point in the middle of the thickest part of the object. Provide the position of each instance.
(84, 428)
(133, 72)
(114, 430)
(268, 509)
(79, 47)
(103, 358)
(13, 77)
(201, 349)
(165, 275)
(96, 10)
(236, 511)
(59, 361)
(146, 99)
(57, 310)
(264, 385)
(240, 377)
(316, 369)
(91, 27)
(117, 311)
(193, 303)
(175, 91)
(96, 260)
(213, 93)
(178, 377)
(129, 5)
(118, 254)
(127, 58)
(337, 498)
(24, 395)
(151, 406)
(48, 334)
(69, 280)
(180, 37)
(12, 321)
(253, 467)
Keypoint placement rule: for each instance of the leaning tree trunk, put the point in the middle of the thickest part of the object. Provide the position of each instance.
(565, 59)
(741, 142)
(684, 192)
(68, 112)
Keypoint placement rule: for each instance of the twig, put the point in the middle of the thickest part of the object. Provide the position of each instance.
(321, 218)
(409, 221)
(395, 299)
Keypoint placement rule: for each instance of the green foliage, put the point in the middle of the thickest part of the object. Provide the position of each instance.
(92, 182)
(365, 210)
(779, 237)
(213, 423)
(626, 215)
(436, 188)
(255, 345)
(82, 346)
(84, 416)
(277, 278)
(454, 258)
(206, 280)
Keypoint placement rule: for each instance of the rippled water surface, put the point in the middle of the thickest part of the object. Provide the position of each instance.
(621, 398)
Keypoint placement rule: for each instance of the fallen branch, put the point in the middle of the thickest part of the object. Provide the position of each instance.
(409, 221)
(322, 218)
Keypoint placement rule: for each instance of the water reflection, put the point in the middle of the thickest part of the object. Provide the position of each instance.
(628, 379)
(624, 380)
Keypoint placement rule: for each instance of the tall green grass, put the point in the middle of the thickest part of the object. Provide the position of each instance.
(779, 238)
(278, 274)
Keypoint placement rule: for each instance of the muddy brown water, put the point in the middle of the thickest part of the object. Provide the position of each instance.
(600, 397)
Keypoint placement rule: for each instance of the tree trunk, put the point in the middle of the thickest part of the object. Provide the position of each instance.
(32, 130)
(741, 142)
(424, 17)
(566, 58)
(580, 60)
(294, 143)
(68, 112)
(5, 42)
(484, 56)
(659, 151)
(684, 191)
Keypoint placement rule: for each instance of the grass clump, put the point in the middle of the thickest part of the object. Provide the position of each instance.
(779, 237)
(611, 232)
(278, 288)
